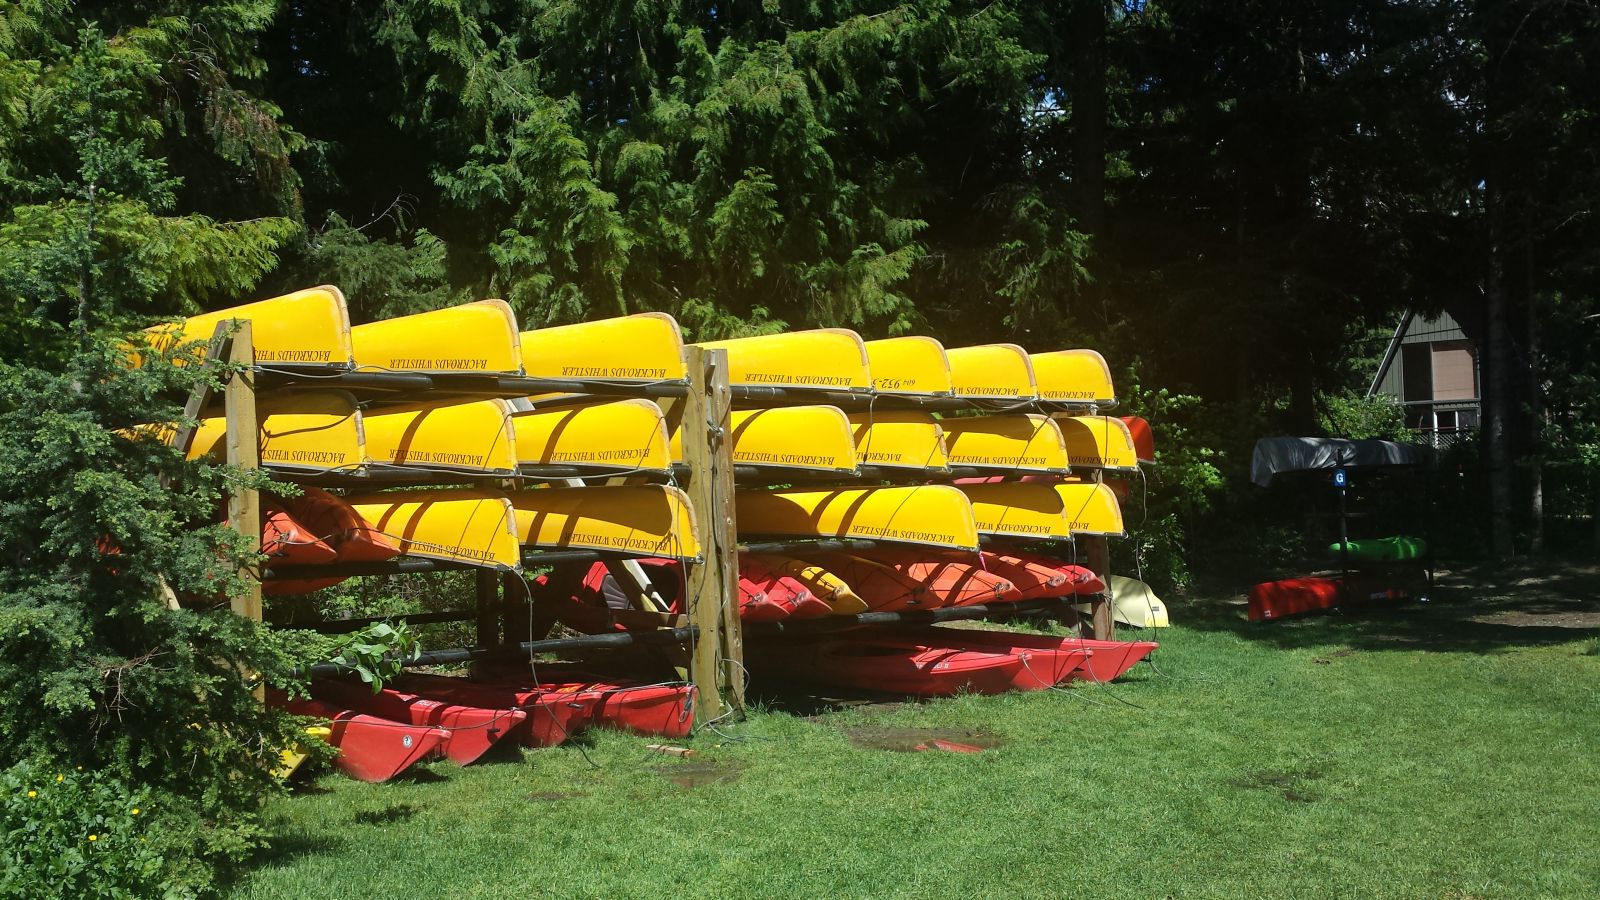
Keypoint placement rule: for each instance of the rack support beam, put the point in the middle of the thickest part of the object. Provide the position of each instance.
(244, 504)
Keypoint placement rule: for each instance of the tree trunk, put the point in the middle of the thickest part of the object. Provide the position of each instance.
(1087, 92)
(1497, 392)
(1534, 389)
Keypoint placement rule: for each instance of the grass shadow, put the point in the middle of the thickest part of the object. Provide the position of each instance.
(808, 701)
(1474, 608)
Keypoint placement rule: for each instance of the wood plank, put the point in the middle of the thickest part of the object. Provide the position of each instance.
(244, 505)
(719, 523)
(705, 579)
(1097, 553)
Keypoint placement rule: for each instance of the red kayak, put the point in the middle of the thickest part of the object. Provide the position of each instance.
(956, 579)
(286, 542)
(370, 748)
(561, 701)
(894, 666)
(1079, 579)
(338, 525)
(764, 595)
(473, 729)
(551, 718)
(1043, 664)
(1107, 660)
(1293, 596)
(1033, 580)
(881, 587)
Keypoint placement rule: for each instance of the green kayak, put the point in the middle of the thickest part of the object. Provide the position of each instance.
(1390, 549)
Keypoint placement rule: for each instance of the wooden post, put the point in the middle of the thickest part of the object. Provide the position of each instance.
(723, 527)
(244, 451)
(1097, 553)
(713, 581)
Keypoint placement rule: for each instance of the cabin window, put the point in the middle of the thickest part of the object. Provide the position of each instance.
(1417, 373)
(1454, 371)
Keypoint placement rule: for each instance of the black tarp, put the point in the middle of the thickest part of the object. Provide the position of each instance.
(1277, 455)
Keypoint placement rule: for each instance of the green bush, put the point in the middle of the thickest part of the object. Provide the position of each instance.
(72, 833)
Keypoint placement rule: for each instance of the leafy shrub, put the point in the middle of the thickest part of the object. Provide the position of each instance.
(95, 668)
(71, 833)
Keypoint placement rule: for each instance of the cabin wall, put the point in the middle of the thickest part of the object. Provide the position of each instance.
(1435, 376)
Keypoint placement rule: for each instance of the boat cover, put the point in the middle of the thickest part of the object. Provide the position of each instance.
(1274, 456)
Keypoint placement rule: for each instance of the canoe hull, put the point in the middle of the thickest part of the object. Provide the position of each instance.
(894, 666)
(371, 748)
(1105, 660)
(473, 729)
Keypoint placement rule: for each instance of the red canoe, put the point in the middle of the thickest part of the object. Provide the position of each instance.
(473, 729)
(881, 587)
(370, 748)
(957, 579)
(1107, 660)
(1144, 440)
(894, 666)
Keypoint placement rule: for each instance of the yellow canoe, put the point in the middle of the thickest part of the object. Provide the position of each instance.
(900, 440)
(809, 438)
(825, 585)
(617, 436)
(477, 338)
(647, 347)
(909, 365)
(1017, 509)
(314, 431)
(1075, 377)
(824, 359)
(937, 515)
(472, 437)
(309, 328)
(1098, 442)
(475, 527)
(1013, 443)
(992, 372)
(1092, 509)
(642, 520)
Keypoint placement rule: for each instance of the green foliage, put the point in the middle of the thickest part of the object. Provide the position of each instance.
(95, 670)
(89, 237)
(1181, 488)
(72, 833)
(1357, 416)
(379, 652)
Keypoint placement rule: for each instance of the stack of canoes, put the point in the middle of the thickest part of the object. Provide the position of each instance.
(941, 509)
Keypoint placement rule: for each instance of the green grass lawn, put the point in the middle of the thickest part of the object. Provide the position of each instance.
(1438, 751)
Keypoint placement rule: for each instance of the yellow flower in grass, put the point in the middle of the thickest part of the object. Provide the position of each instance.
(60, 778)
(94, 837)
(136, 810)
(33, 793)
